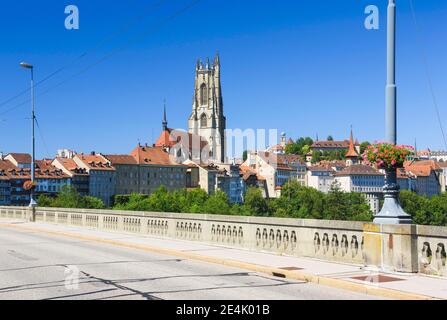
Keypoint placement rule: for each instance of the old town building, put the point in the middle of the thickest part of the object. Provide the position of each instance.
(102, 175)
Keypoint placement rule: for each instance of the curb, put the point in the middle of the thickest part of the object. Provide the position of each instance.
(277, 272)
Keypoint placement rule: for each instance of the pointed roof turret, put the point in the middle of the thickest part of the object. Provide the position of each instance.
(165, 121)
(217, 59)
(352, 153)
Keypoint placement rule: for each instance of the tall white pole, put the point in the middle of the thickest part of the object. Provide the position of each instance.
(391, 89)
(33, 202)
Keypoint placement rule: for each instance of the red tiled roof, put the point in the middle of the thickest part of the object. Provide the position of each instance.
(170, 137)
(7, 165)
(331, 144)
(281, 161)
(121, 159)
(247, 172)
(70, 165)
(422, 168)
(152, 156)
(321, 168)
(21, 157)
(277, 147)
(423, 153)
(352, 153)
(95, 162)
(332, 163)
(45, 170)
(359, 169)
(45, 164)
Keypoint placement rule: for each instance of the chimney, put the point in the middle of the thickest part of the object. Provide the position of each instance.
(93, 153)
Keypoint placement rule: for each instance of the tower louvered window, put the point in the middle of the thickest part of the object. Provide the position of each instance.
(203, 121)
(203, 94)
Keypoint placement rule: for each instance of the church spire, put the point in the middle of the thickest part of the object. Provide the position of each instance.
(165, 121)
(352, 155)
(217, 59)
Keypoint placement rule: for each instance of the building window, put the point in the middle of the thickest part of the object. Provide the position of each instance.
(203, 121)
(203, 94)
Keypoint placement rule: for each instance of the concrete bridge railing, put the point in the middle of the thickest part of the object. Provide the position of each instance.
(407, 248)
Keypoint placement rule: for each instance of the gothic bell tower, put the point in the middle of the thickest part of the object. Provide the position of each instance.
(207, 119)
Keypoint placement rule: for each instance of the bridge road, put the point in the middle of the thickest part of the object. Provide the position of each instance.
(35, 265)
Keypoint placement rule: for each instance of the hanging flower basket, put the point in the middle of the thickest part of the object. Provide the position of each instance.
(387, 155)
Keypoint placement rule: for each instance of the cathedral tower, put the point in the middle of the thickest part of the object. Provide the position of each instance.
(207, 119)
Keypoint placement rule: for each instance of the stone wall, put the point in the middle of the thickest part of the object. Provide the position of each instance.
(393, 248)
(432, 242)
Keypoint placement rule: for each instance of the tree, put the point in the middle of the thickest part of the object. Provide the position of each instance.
(416, 206)
(44, 201)
(135, 202)
(217, 204)
(92, 203)
(298, 201)
(438, 210)
(255, 202)
(196, 198)
(159, 200)
(363, 146)
(68, 197)
(359, 208)
(336, 204)
(330, 138)
(240, 210)
(316, 156)
(299, 146)
(305, 150)
(293, 148)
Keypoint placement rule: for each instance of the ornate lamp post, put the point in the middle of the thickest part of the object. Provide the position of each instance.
(392, 212)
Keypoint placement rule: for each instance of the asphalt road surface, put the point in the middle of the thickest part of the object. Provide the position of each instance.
(35, 265)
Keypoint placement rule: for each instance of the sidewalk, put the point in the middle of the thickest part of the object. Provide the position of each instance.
(348, 277)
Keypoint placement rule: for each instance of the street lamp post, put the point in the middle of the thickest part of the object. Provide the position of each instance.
(33, 202)
(392, 212)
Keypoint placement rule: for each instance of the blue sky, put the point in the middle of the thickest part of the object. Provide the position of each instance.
(303, 67)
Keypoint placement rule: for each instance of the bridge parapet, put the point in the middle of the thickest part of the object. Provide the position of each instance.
(392, 248)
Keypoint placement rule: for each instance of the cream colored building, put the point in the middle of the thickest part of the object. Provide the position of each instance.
(276, 169)
(127, 179)
(207, 118)
(102, 175)
(156, 168)
(320, 177)
(363, 179)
